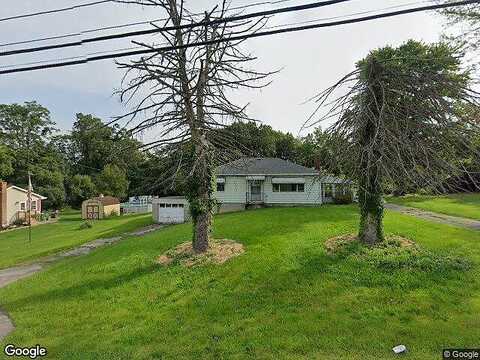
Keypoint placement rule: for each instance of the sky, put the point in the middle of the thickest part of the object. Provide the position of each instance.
(310, 61)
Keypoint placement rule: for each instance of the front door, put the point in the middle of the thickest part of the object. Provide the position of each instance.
(256, 191)
(93, 212)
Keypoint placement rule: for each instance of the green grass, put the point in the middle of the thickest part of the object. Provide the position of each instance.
(283, 299)
(50, 238)
(462, 205)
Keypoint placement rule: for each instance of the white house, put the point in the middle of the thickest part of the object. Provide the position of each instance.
(14, 204)
(256, 182)
(273, 182)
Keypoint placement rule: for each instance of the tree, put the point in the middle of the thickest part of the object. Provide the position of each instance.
(184, 92)
(112, 181)
(82, 188)
(6, 160)
(400, 121)
(26, 131)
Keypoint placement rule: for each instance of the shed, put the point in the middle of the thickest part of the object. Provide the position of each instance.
(100, 207)
(170, 210)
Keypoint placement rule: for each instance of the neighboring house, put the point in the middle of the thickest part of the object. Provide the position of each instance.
(14, 204)
(270, 181)
(100, 207)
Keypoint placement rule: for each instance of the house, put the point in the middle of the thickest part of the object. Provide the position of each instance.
(100, 207)
(257, 182)
(14, 204)
(273, 182)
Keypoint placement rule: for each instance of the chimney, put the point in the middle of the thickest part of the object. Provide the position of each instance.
(3, 205)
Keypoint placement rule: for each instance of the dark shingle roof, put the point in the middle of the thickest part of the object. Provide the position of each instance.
(264, 166)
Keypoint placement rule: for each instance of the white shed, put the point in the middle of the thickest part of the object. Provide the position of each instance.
(170, 210)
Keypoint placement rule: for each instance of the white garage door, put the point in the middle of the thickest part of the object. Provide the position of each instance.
(171, 213)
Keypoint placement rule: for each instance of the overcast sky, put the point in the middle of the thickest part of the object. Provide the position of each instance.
(310, 60)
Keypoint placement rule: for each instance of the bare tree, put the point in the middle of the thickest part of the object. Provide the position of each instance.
(185, 94)
(401, 119)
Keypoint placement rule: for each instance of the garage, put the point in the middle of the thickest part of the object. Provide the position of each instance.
(170, 210)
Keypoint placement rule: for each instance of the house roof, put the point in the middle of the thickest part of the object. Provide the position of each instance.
(107, 200)
(41, 197)
(264, 166)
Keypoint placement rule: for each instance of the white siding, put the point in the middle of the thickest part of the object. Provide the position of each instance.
(235, 190)
(311, 196)
(14, 199)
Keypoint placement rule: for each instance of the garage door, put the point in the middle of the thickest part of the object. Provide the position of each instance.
(171, 213)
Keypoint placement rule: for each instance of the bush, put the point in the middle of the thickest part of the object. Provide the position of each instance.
(343, 199)
(86, 225)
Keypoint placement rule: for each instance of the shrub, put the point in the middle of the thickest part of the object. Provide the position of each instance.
(343, 199)
(86, 225)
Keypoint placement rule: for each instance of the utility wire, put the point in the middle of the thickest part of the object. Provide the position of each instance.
(248, 36)
(224, 20)
(70, 8)
(153, 21)
(266, 28)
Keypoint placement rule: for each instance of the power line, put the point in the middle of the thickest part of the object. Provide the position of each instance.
(247, 36)
(70, 8)
(181, 27)
(266, 28)
(153, 21)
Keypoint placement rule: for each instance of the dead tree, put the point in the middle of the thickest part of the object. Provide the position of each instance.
(184, 94)
(400, 118)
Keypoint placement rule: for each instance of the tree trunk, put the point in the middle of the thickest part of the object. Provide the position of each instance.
(370, 182)
(202, 231)
(371, 211)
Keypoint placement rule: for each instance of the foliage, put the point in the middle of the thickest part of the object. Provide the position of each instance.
(82, 188)
(86, 225)
(401, 123)
(25, 130)
(112, 181)
(6, 161)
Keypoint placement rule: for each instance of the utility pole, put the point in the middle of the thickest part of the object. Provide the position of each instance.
(29, 204)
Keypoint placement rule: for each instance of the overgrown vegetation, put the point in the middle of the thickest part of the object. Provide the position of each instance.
(395, 253)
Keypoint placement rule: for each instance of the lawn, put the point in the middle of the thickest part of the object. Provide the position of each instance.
(66, 233)
(463, 205)
(283, 299)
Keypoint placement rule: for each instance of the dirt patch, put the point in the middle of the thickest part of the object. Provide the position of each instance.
(219, 252)
(338, 244)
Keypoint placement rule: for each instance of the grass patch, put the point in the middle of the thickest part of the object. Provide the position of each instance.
(284, 298)
(395, 253)
(462, 205)
(68, 232)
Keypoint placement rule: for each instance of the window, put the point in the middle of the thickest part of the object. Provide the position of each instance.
(220, 186)
(180, 206)
(22, 206)
(288, 187)
(168, 205)
(162, 205)
(174, 205)
(34, 205)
